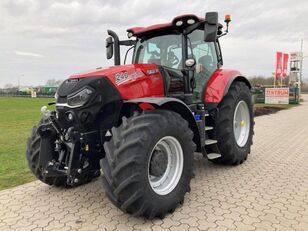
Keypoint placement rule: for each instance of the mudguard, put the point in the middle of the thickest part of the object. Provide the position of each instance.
(219, 84)
(175, 105)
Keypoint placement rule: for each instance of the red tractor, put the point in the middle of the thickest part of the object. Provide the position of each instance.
(140, 124)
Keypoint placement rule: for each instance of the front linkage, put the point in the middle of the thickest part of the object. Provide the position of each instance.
(68, 153)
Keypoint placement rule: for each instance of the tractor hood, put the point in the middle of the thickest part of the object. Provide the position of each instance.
(131, 81)
(111, 72)
(82, 97)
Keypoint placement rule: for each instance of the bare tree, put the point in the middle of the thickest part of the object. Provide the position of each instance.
(53, 82)
(8, 85)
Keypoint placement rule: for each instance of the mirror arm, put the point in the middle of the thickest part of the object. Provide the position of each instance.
(117, 57)
(191, 28)
(127, 42)
(225, 32)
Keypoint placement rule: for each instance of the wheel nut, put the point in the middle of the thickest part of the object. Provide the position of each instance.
(79, 170)
(76, 181)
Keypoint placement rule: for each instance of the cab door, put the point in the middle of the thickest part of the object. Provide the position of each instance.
(206, 62)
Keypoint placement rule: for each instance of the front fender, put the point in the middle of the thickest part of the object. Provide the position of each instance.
(175, 105)
(219, 84)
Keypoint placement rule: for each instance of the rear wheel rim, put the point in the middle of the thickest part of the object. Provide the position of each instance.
(170, 148)
(241, 123)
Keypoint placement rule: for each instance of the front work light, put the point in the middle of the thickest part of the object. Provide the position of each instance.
(80, 98)
(179, 23)
(191, 21)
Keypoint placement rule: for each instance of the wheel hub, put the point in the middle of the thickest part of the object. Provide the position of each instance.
(165, 165)
(241, 123)
(158, 164)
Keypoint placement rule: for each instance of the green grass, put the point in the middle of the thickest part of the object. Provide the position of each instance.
(17, 116)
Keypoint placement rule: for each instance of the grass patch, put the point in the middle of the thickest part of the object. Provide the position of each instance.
(17, 116)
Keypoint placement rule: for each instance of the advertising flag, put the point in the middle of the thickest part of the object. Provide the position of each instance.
(279, 64)
(285, 65)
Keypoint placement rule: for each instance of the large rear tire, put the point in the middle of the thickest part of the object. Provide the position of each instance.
(33, 153)
(234, 125)
(148, 163)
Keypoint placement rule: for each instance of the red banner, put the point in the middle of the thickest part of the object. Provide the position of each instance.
(285, 65)
(279, 64)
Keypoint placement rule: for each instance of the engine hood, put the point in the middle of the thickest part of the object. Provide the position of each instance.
(131, 81)
(147, 69)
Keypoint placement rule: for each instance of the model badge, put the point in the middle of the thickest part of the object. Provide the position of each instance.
(153, 71)
(121, 77)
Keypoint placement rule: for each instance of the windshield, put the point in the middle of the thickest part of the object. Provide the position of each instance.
(166, 50)
(163, 50)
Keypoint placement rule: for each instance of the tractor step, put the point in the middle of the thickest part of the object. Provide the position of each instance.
(208, 128)
(212, 156)
(209, 142)
(206, 114)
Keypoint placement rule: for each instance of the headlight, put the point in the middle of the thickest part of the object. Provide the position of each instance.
(80, 98)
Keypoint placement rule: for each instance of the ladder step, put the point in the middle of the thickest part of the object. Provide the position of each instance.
(206, 114)
(212, 156)
(207, 128)
(209, 142)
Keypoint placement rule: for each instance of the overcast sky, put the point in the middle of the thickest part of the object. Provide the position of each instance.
(45, 39)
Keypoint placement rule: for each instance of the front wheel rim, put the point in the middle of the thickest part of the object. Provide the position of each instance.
(241, 123)
(166, 182)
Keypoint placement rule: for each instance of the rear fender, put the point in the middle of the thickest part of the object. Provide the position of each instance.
(219, 84)
(172, 104)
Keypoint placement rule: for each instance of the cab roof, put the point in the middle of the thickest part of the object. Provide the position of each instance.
(161, 28)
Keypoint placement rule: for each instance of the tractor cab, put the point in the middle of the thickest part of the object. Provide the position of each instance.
(187, 52)
(166, 51)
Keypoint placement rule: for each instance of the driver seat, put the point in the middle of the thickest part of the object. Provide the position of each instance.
(207, 63)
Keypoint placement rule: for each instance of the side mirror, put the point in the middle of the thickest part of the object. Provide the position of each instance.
(210, 26)
(109, 47)
(190, 63)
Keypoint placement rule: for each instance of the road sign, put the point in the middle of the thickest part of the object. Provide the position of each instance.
(277, 95)
(296, 56)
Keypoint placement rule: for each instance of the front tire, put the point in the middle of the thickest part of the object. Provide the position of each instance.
(32, 155)
(234, 125)
(140, 155)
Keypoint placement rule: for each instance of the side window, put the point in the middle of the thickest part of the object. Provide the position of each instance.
(204, 53)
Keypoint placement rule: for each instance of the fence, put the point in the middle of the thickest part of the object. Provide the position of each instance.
(22, 94)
